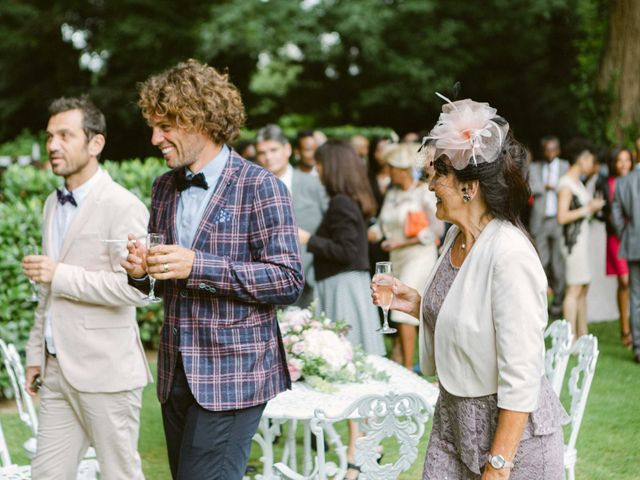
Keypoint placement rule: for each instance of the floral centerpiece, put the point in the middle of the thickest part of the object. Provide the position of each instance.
(318, 350)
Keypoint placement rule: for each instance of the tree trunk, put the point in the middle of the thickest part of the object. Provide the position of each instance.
(620, 67)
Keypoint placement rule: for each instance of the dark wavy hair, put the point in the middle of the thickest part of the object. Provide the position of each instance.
(613, 158)
(504, 183)
(343, 172)
(195, 97)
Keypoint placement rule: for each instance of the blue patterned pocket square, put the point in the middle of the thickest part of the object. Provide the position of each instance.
(222, 216)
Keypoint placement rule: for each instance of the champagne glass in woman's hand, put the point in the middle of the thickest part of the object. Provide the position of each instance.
(384, 290)
(153, 240)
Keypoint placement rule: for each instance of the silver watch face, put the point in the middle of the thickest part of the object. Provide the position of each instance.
(497, 462)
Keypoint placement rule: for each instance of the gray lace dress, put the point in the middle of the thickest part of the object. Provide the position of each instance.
(463, 428)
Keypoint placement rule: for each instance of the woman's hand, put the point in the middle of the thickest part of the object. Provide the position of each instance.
(405, 298)
(389, 245)
(303, 236)
(491, 473)
(596, 204)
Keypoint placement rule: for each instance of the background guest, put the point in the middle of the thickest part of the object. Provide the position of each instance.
(620, 164)
(308, 196)
(340, 257)
(304, 150)
(410, 232)
(544, 176)
(625, 216)
(360, 144)
(575, 207)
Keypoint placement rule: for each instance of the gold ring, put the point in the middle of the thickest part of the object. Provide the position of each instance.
(165, 267)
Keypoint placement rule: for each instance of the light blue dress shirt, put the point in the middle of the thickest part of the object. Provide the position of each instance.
(194, 201)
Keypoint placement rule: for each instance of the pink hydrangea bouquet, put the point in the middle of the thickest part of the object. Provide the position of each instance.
(318, 350)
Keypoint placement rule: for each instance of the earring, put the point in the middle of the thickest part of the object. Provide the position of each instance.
(466, 198)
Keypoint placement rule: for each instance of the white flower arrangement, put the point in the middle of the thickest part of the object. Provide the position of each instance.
(318, 350)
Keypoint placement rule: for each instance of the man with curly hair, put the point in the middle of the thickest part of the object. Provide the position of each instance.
(231, 255)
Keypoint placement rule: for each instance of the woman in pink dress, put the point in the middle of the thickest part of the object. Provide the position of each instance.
(620, 163)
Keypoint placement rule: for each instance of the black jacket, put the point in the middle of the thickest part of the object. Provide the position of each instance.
(340, 243)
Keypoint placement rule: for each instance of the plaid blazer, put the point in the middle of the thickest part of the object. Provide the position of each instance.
(222, 318)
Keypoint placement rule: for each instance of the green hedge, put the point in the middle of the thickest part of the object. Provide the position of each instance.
(24, 190)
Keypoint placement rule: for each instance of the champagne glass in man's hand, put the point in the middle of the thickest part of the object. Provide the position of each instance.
(153, 240)
(31, 250)
(384, 290)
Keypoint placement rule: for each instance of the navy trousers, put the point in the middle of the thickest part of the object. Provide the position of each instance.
(206, 445)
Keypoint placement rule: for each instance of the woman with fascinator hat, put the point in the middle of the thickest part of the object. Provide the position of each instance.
(484, 309)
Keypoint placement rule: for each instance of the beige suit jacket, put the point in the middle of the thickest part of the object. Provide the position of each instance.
(93, 308)
(489, 335)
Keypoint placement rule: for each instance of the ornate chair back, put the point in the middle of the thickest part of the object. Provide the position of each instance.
(557, 356)
(9, 471)
(26, 410)
(88, 468)
(580, 378)
(403, 416)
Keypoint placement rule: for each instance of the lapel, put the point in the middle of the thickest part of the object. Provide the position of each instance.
(170, 214)
(47, 238)
(218, 200)
(295, 187)
(88, 208)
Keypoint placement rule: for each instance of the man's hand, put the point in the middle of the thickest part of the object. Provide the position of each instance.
(32, 373)
(165, 262)
(135, 263)
(39, 268)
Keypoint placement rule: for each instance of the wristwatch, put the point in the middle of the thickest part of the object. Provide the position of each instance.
(498, 462)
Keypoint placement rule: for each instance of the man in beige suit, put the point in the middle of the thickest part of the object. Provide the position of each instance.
(85, 345)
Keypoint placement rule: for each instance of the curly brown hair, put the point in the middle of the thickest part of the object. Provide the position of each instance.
(194, 97)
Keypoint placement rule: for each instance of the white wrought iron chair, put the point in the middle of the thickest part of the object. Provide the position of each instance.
(403, 416)
(586, 351)
(89, 468)
(8, 470)
(557, 355)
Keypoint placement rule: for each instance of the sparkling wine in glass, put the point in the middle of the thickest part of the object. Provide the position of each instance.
(385, 293)
(32, 249)
(153, 240)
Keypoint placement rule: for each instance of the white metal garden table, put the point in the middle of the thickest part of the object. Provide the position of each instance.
(299, 404)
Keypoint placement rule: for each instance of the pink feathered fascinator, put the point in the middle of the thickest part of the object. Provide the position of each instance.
(467, 131)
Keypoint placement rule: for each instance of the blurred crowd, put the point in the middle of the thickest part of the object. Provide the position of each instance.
(571, 185)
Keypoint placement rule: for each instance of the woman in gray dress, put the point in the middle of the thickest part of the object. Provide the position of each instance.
(483, 311)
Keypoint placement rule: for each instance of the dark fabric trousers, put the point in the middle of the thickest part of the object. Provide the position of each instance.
(549, 242)
(206, 445)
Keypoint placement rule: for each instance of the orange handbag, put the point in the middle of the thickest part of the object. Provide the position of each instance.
(414, 223)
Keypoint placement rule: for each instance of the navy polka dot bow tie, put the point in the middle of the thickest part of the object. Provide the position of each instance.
(64, 198)
(183, 182)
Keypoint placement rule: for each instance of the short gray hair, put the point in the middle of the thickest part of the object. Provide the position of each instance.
(272, 132)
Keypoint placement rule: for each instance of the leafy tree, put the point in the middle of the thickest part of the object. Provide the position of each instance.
(316, 62)
(135, 37)
(380, 62)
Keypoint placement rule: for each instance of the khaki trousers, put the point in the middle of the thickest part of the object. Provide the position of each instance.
(70, 421)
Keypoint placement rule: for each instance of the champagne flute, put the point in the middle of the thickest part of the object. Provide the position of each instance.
(32, 249)
(153, 240)
(385, 293)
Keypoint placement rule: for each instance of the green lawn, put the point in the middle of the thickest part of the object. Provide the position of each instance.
(607, 445)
